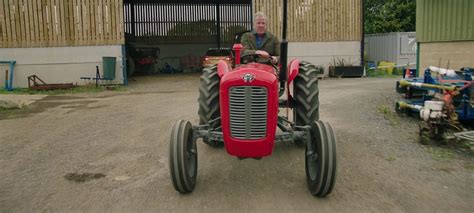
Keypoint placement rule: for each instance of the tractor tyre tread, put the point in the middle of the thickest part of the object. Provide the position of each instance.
(209, 108)
(306, 95)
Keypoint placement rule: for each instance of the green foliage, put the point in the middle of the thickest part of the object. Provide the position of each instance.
(441, 154)
(340, 62)
(388, 114)
(383, 16)
(381, 73)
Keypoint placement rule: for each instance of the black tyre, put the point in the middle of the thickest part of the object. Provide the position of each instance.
(183, 157)
(209, 101)
(320, 160)
(399, 89)
(306, 95)
(399, 109)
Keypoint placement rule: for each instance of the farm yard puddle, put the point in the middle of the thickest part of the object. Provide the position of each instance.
(67, 102)
(121, 178)
(83, 177)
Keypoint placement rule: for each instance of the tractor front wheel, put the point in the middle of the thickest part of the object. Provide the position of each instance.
(320, 159)
(183, 157)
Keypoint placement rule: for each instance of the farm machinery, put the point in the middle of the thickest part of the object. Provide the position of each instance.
(239, 109)
(442, 98)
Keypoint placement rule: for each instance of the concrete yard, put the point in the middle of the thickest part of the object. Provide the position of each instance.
(121, 139)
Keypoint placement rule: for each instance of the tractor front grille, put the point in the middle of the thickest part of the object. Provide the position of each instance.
(248, 112)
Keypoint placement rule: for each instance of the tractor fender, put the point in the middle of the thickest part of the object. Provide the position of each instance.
(222, 68)
(293, 70)
(291, 73)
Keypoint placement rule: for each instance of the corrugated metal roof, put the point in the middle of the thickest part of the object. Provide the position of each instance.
(442, 20)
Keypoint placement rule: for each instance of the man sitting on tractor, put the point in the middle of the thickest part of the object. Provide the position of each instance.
(260, 41)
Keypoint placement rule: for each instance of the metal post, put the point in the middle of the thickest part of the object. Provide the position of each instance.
(132, 17)
(284, 45)
(97, 76)
(6, 79)
(218, 24)
(417, 72)
(362, 42)
(124, 66)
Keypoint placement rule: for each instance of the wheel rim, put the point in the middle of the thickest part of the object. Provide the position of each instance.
(191, 155)
(313, 164)
(313, 161)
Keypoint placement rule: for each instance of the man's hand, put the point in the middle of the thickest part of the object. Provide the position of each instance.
(274, 59)
(262, 54)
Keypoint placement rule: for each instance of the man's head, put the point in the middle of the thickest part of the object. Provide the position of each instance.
(260, 23)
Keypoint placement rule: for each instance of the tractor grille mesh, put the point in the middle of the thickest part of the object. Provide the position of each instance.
(248, 112)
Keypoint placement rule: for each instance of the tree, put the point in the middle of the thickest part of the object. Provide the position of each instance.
(382, 16)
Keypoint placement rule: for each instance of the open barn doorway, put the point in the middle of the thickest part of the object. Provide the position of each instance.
(172, 36)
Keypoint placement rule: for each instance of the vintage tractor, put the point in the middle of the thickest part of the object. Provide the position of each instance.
(239, 108)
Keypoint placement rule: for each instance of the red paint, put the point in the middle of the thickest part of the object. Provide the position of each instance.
(292, 72)
(222, 68)
(293, 69)
(257, 66)
(265, 76)
(237, 48)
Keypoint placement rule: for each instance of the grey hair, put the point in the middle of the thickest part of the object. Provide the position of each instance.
(258, 15)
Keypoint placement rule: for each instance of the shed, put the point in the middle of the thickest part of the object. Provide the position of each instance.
(396, 47)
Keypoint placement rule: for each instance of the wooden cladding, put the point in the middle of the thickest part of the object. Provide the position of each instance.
(53, 23)
(315, 20)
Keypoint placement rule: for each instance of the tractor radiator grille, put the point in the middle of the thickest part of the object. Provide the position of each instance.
(248, 112)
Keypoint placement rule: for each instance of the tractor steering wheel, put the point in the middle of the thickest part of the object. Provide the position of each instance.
(254, 58)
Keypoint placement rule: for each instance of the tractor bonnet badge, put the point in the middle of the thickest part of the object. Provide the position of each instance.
(248, 77)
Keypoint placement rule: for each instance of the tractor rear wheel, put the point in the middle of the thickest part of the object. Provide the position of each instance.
(209, 101)
(320, 160)
(306, 95)
(183, 157)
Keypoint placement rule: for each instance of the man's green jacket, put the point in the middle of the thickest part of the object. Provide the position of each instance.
(270, 44)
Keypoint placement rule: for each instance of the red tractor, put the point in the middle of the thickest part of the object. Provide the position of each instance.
(239, 108)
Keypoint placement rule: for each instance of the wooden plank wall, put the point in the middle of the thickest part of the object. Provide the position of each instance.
(315, 20)
(55, 23)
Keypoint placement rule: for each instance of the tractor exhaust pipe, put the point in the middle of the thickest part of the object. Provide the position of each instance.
(284, 47)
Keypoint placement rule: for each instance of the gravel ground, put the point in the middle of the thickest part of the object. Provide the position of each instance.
(109, 152)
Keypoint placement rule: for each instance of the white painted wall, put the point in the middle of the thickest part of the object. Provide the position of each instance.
(59, 64)
(323, 53)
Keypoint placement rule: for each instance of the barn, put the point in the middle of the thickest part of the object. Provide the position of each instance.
(63, 41)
